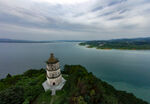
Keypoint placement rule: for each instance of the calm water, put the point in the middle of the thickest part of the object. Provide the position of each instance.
(125, 70)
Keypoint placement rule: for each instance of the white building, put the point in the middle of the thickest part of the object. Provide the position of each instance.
(54, 81)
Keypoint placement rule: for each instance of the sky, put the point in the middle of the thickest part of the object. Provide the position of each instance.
(74, 19)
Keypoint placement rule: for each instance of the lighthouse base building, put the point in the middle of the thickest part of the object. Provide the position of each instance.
(54, 81)
(53, 88)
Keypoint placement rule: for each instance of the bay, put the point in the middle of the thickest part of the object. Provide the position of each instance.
(127, 70)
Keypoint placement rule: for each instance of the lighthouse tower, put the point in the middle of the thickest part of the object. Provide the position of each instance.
(54, 81)
(53, 73)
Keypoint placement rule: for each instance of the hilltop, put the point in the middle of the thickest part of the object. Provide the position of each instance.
(81, 87)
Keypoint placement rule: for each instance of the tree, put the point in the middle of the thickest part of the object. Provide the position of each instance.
(13, 95)
(8, 75)
(78, 100)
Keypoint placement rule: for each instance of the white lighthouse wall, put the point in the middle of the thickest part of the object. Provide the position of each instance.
(54, 81)
(49, 66)
(53, 73)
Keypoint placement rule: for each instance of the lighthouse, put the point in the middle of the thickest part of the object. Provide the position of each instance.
(54, 81)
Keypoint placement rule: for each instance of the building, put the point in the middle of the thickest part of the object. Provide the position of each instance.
(54, 81)
(53, 73)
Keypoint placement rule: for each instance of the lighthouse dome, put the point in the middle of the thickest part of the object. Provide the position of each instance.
(52, 59)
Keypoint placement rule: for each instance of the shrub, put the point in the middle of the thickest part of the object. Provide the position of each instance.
(13, 95)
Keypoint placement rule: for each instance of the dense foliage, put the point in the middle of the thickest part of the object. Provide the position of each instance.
(20, 89)
(84, 88)
(13, 95)
(138, 43)
(81, 88)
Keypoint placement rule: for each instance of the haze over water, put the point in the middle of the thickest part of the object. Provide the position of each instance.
(124, 69)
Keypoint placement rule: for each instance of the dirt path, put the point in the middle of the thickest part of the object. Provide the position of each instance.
(52, 99)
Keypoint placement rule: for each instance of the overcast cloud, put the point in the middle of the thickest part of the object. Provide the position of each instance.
(74, 19)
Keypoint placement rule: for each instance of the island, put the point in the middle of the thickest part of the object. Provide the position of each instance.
(129, 44)
(81, 87)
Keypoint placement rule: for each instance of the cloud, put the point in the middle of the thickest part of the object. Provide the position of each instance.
(115, 2)
(76, 19)
(68, 2)
(97, 8)
(116, 18)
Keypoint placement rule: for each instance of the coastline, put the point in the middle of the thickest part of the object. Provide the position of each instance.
(88, 46)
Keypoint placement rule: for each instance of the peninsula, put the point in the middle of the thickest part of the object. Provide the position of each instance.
(129, 44)
(81, 87)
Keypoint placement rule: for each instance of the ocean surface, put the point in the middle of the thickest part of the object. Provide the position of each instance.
(127, 70)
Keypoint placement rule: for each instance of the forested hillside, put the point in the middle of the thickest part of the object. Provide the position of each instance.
(133, 44)
(81, 87)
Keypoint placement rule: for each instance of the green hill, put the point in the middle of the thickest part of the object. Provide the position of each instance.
(81, 88)
(132, 44)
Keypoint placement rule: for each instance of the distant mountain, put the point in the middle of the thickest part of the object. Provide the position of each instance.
(133, 39)
(31, 41)
(15, 41)
(135, 43)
